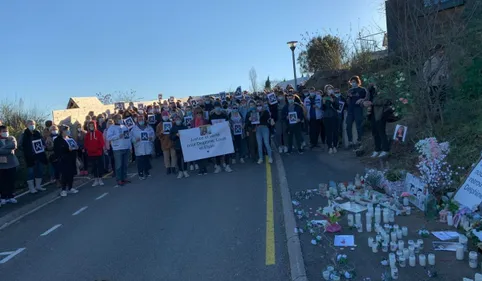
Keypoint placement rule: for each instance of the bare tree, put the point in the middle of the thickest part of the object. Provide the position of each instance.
(253, 78)
(127, 96)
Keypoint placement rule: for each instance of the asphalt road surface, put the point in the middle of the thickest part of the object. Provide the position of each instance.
(214, 227)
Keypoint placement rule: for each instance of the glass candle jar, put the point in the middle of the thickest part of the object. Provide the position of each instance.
(473, 259)
(431, 259)
(405, 231)
(422, 260)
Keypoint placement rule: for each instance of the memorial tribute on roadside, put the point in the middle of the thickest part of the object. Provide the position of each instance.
(206, 141)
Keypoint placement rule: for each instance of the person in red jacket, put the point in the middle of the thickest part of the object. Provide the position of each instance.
(94, 146)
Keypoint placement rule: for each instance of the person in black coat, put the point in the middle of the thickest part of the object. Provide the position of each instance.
(65, 149)
(33, 147)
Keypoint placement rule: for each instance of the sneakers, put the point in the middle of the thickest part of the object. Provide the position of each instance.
(96, 182)
(186, 175)
(101, 183)
(63, 193)
(191, 167)
(383, 154)
(330, 151)
(260, 161)
(217, 169)
(228, 169)
(270, 160)
(3, 202)
(280, 149)
(334, 150)
(224, 165)
(73, 190)
(233, 161)
(180, 175)
(375, 154)
(241, 160)
(142, 178)
(196, 166)
(31, 187)
(285, 149)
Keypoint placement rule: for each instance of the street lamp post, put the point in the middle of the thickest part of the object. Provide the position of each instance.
(292, 45)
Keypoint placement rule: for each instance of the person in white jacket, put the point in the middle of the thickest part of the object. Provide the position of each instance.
(314, 114)
(143, 136)
(119, 137)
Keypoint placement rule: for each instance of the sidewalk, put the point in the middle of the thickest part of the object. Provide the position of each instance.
(306, 172)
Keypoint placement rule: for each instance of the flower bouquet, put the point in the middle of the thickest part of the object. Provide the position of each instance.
(333, 225)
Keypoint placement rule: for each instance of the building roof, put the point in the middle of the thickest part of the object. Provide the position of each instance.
(83, 102)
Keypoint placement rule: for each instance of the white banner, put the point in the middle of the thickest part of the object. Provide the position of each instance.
(206, 141)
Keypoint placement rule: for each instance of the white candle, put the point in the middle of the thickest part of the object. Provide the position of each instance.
(378, 238)
(411, 249)
(393, 246)
(473, 259)
(357, 218)
(375, 247)
(377, 217)
(405, 201)
(399, 234)
(405, 231)
(394, 273)
(420, 244)
(463, 240)
(393, 236)
(411, 260)
(369, 227)
(411, 243)
(377, 227)
(326, 275)
(385, 246)
(450, 219)
(401, 244)
(359, 227)
(406, 253)
(402, 261)
(422, 260)
(431, 259)
(459, 252)
(370, 241)
(396, 227)
(385, 215)
(392, 258)
(391, 216)
(386, 237)
(368, 217)
(350, 220)
(408, 210)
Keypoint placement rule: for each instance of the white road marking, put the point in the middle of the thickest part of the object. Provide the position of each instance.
(102, 196)
(10, 255)
(79, 211)
(51, 229)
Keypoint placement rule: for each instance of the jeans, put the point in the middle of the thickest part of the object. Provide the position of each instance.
(96, 163)
(294, 131)
(7, 184)
(181, 164)
(331, 128)
(280, 133)
(379, 134)
(143, 165)
(170, 159)
(355, 116)
(121, 162)
(262, 136)
(238, 146)
(35, 172)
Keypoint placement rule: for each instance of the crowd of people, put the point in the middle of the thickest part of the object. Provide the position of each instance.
(107, 143)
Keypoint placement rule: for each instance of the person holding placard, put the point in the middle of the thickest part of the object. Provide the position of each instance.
(313, 105)
(237, 124)
(119, 137)
(65, 149)
(294, 129)
(262, 133)
(330, 118)
(170, 159)
(94, 147)
(33, 148)
(214, 118)
(49, 150)
(8, 166)
(379, 105)
(176, 142)
(356, 97)
(142, 136)
(280, 125)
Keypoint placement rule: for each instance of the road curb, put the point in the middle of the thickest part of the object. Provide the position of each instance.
(297, 264)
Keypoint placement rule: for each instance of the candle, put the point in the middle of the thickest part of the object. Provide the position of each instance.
(408, 210)
(326, 275)
(391, 216)
(396, 227)
(411, 260)
(385, 246)
(350, 220)
(368, 217)
(473, 259)
(399, 234)
(385, 215)
(411, 243)
(393, 246)
(399, 254)
(411, 249)
(392, 259)
(357, 218)
(420, 244)
(463, 240)
(330, 268)
(377, 217)
(369, 227)
(401, 244)
(386, 237)
(416, 248)
(405, 201)
(370, 208)
(377, 227)
(393, 236)
(431, 259)
(406, 253)
(370, 241)
(405, 231)
(459, 252)
(422, 259)
(378, 238)
(402, 261)
(450, 219)
(375, 247)
(359, 227)
(386, 227)
(394, 273)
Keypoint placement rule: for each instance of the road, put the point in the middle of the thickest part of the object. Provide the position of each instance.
(214, 227)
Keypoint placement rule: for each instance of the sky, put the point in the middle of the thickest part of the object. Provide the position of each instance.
(55, 49)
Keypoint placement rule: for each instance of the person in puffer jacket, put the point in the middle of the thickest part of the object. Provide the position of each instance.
(94, 146)
(143, 136)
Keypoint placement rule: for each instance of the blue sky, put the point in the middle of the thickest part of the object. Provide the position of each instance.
(54, 49)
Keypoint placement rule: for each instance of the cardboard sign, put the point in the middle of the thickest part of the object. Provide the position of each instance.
(119, 106)
(416, 187)
(151, 119)
(340, 108)
(237, 129)
(129, 123)
(166, 127)
(188, 121)
(72, 144)
(470, 192)
(38, 146)
(293, 117)
(272, 98)
(255, 118)
(144, 136)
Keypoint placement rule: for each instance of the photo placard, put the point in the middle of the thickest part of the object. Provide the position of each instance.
(272, 98)
(38, 146)
(166, 127)
(293, 117)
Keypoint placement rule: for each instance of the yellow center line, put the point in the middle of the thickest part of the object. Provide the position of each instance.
(270, 245)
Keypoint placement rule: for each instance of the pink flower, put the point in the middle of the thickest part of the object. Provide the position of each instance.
(400, 99)
(404, 101)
